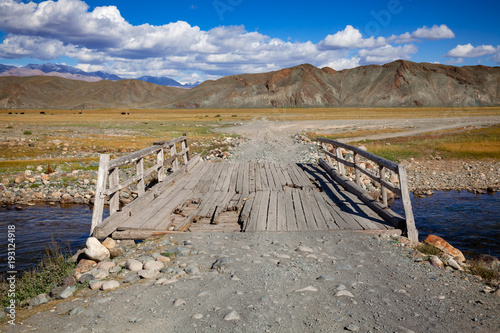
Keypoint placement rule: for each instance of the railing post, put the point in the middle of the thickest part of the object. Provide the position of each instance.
(185, 146)
(356, 169)
(382, 187)
(114, 198)
(140, 174)
(159, 163)
(102, 176)
(411, 230)
(328, 158)
(339, 164)
(175, 163)
(184, 156)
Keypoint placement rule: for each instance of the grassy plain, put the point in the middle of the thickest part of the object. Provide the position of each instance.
(86, 133)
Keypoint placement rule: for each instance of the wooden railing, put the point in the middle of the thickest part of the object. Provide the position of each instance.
(108, 177)
(338, 152)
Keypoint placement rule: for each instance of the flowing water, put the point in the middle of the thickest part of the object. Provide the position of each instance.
(469, 222)
(36, 226)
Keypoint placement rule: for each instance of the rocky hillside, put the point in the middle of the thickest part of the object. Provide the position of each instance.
(54, 92)
(400, 83)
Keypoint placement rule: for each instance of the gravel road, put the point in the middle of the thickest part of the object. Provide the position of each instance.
(281, 282)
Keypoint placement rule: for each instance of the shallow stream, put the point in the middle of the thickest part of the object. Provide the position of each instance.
(468, 221)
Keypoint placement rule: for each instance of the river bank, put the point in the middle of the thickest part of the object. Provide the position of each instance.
(265, 282)
(78, 186)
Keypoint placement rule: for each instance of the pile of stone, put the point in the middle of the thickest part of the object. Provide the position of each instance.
(111, 264)
(449, 257)
(35, 185)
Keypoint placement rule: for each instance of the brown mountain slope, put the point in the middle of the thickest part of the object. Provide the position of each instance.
(55, 92)
(400, 83)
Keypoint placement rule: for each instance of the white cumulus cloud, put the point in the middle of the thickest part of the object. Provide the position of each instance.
(350, 38)
(387, 54)
(469, 51)
(434, 33)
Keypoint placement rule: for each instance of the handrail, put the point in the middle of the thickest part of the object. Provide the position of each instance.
(108, 178)
(334, 151)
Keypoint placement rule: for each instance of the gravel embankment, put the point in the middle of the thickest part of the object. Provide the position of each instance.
(275, 282)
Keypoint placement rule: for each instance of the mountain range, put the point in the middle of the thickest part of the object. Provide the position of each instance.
(396, 84)
(73, 73)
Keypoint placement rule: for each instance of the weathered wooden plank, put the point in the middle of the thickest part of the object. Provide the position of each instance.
(270, 178)
(244, 216)
(258, 177)
(252, 187)
(263, 178)
(379, 160)
(239, 179)
(140, 175)
(124, 160)
(291, 174)
(279, 175)
(227, 179)
(263, 211)
(102, 177)
(281, 212)
(329, 219)
(209, 203)
(299, 211)
(272, 212)
(411, 230)
(246, 179)
(162, 215)
(111, 223)
(291, 220)
(317, 212)
(251, 226)
(284, 171)
(308, 213)
(140, 234)
(114, 198)
(385, 213)
(303, 176)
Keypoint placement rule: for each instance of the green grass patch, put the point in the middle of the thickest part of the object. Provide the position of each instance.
(428, 249)
(49, 273)
(466, 143)
(485, 270)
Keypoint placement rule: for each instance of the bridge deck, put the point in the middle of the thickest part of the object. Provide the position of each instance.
(249, 197)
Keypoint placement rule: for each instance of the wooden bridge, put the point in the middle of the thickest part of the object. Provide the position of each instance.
(199, 196)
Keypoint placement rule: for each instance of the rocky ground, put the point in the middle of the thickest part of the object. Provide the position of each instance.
(266, 282)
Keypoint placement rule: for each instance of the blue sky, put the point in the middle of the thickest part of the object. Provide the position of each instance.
(191, 40)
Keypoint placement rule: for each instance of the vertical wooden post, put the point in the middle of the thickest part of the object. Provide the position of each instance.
(356, 169)
(411, 230)
(188, 157)
(175, 163)
(159, 163)
(382, 187)
(114, 198)
(184, 156)
(140, 174)
(340, 165)
(328, 158)
(102, 176)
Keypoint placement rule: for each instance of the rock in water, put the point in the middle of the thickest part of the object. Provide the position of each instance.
(95, 250)
(445, 247)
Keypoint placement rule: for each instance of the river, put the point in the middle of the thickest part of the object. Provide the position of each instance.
(468, 221)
